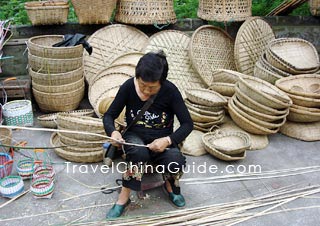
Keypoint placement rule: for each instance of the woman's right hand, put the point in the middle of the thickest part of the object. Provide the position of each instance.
(117, 138)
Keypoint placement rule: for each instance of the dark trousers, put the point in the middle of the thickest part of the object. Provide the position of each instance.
(171, 161)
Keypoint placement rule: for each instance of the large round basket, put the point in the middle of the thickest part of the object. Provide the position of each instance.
(251, 41)
(210, 49)
(225, 10)
(110, 42)
(262, 72)
(145, 12)
(41, 46)
(80, 123)
(206, 97)
(299, 115)
(94, 12)
(175, 45)
(59, 88)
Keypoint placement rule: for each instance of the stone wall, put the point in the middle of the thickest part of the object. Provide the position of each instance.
(307, 28)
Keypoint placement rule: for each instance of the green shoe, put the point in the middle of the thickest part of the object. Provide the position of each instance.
(176, 200)
(117, 210)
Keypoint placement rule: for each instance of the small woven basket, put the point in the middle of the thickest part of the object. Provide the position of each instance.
(25, 168)
(18, 113)
(94, 11)
(145, 12)
(42, 46)
(44, 170)
(11, 186)
(6, 164)
(225, 10)
(47, 12)
(80, 123)
(42, 187)
(314, 7)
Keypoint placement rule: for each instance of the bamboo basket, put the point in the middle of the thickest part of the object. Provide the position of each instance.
(82, 136)
(214, 109)
(299, 115)
(80, 145)
(314, 7)
(94, 11)
(263, 73)
(305, 101)
(51, 79)
(80, 123)
(42, 46)
(225, 89)
(11, 186)
(226, 10)
(42, 187)
(59, 88)
(205, 97)
(47, 12)
(145, 12)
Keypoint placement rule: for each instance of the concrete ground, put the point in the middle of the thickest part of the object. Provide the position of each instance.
(91, 205)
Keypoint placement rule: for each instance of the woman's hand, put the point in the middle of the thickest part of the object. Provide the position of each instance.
(116, 135)
(160, 144)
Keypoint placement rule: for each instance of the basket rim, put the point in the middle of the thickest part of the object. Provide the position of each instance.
(190, 93)
(30, 40)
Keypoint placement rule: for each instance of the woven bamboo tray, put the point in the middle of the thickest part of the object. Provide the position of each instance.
(94, 12)
(103, 83)
(298, 115)
(264, 93)
(229, 142)
(263, 60)
(314, 7)
(259, 122)
(251, 41)
(175, 45)
(47, 12)
(74, 156)
(145, 12)
(247, 124)
(263, 73)
(225, 89)
(207, 140)
(131, 58)
(5, 137)
(110, 42)
(53, 102)
(226, 76)
(251, 103)
(257, 114)
(307, 85)
(42, 46)
(49, 65)
(294, 55)
(305, 101)
(206, 97)
(196, 117)
(211, 48)
(214, 109)
(302, 131)
(80, 145)
(56, 79)
(49, 120)
(80, 123)
(59, 88)
(82, 136)
(226, 10)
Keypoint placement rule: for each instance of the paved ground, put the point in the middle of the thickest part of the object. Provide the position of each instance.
(281, 153)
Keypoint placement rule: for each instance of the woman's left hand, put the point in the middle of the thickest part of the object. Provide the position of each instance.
(159, 145)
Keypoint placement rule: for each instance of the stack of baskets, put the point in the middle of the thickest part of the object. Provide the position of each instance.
(287, 56)
(47, 12)
(228, 146)
(258, 107)
(56, 72)
(206, 108)
(79, 147)
(304, 90)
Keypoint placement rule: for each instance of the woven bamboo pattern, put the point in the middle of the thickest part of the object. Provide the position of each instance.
(225, 89)
(307, 85)
(94, 12)
(305, 101)
(5, 136)
(293, 55)
(264, 93)
(109, 43)
(251, 41)
(53, 102)
(224, 10)
(56, 79)
(80, 123)
(175, 45)
(49, 65)
(229, 142)
(299, 115)
(74, 156)
(302, 131)
(145, 12)
(81, 136)
(270, 67)
(41, 46)
(314, 7)
(226, 76)
(263, 73)
(59, 88)
(205, 97)
(210, 49)
(131, 58)
(83, 144)
(47, 12)
(49, 120)
(104, 83)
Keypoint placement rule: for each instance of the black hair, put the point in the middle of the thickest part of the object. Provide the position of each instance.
(153, 67)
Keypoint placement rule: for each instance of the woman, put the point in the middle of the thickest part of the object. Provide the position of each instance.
(154, 129)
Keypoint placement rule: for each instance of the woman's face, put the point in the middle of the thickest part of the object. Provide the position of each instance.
(148, 88)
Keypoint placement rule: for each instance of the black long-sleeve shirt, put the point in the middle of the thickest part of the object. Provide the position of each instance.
(157, 121)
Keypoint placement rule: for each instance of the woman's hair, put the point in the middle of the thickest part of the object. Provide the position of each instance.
(152, 67)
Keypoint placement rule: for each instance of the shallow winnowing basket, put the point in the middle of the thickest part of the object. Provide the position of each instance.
(315, 7)
(18, 113)
(224, 10)
(145, 12)
(47, 12)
